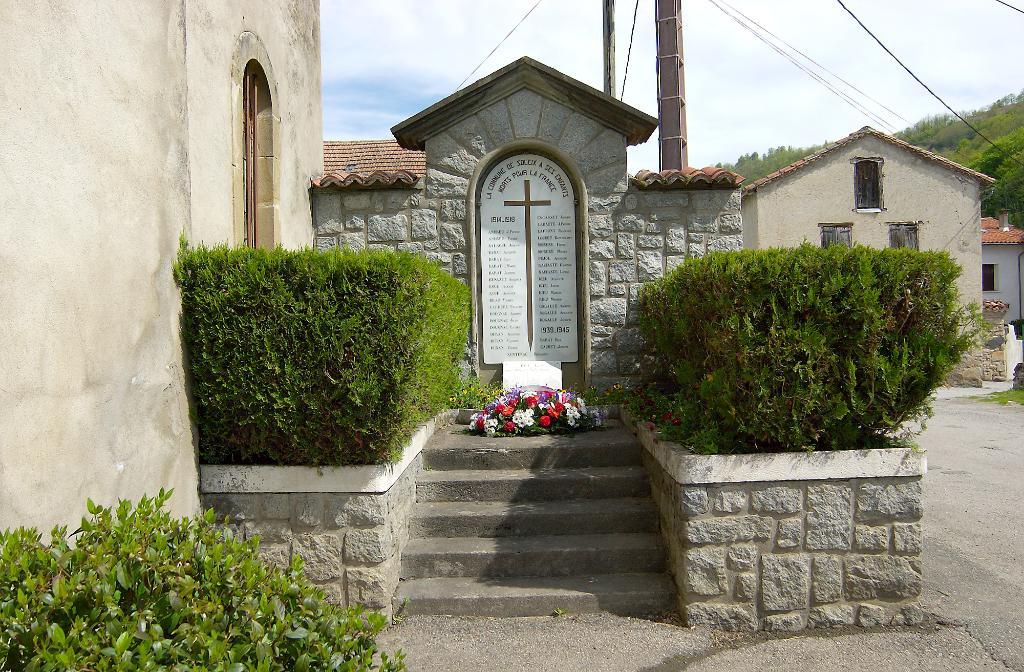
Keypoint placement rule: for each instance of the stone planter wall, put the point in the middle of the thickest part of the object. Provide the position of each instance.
(349, 524)
(790, 541)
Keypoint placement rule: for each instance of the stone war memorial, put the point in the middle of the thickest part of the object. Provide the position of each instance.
(526, 198)
(517, 186)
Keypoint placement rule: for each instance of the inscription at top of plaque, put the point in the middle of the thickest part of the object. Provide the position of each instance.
(528, 262)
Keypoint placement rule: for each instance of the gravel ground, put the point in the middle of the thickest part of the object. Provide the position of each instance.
(974, 588)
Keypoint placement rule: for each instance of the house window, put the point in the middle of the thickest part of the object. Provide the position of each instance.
(836, 234)
(988, 277)
(258, 161)
(867, 176)
(903, 234)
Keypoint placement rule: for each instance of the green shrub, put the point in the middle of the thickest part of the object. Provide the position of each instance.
(136, 589)
(317, 358)
(475, 394)
(805, 348)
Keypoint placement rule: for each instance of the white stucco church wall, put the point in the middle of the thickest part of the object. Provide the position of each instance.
(118, 138)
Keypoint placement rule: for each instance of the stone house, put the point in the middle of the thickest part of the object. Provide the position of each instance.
(871, 188)
(124, 130)
(1002, 252)
(423, 193)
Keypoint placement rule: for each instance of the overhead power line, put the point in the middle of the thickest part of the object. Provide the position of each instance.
(928, 88)
(813, 75)
(629, 51)
(819, 65)
(499, 44)
(1006, 4)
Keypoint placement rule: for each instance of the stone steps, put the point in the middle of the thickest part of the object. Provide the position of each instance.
(528, 526)
(519, 485)
(622, 594)
(517, 519)
(455, 449)
(537, 556)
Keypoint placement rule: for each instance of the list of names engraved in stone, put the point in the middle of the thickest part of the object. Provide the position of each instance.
(528, 262)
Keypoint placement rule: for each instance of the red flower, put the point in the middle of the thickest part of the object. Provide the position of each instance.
(531, 402)
(510, 426)
(499, 409)
(480, 423)
(559, 406)
(553, 413)
(508, 410)
(544, 421)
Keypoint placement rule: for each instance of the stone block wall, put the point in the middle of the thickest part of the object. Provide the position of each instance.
(629, 235)
(786, 555)
(994, 341)
(636, 237)
(394, 219)
(351, 543)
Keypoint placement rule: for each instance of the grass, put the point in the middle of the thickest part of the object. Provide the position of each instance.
(1004, 398)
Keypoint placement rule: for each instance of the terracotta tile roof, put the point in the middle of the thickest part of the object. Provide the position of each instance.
(1000, 237)
(989, 223)
(366, 156)
(995, 306)
(378, 179)
(688, 178)
(885, 137)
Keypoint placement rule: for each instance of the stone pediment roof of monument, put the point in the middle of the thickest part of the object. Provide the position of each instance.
(525, 73)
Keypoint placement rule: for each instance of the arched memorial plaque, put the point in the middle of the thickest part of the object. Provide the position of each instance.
(528, 264)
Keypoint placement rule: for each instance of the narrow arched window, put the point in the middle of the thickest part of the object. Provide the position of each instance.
(258, 159)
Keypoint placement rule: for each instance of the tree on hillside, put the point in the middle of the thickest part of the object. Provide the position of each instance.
(1007, 166)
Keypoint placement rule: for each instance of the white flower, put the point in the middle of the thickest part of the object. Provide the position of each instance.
(523, 418)
(572, 415)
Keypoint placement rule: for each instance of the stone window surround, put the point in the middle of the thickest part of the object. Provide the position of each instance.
(572, 170)
(249, 48)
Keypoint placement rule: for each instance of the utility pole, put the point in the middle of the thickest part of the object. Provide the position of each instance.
(671, 85)
(609, 47)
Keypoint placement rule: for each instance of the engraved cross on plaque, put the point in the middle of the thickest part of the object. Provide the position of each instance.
(527, 203)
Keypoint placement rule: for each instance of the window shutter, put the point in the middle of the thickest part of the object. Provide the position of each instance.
(836, 235)
(903, 235)
(865, 174)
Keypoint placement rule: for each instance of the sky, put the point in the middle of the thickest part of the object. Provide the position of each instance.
(384, 61)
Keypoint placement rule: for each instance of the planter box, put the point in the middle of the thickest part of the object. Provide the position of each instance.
(349, 524)
(787, 541)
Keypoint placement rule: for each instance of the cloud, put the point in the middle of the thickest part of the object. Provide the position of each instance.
(385, 61)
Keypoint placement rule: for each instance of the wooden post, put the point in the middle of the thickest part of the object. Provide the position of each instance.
(609, 47)
(671, 85)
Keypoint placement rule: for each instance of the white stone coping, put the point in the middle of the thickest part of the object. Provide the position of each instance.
(376, 478)
(687, 468)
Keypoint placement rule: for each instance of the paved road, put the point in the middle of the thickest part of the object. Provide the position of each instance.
(974, 587)
(974, 536)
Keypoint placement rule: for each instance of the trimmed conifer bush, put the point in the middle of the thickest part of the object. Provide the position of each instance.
(137, 589)
(317, 358)
(806, 348)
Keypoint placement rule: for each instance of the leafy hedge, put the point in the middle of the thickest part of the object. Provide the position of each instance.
(806, 348)
(136, 589)
(317, 358)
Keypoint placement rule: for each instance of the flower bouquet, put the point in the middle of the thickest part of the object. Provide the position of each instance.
(523, 412)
